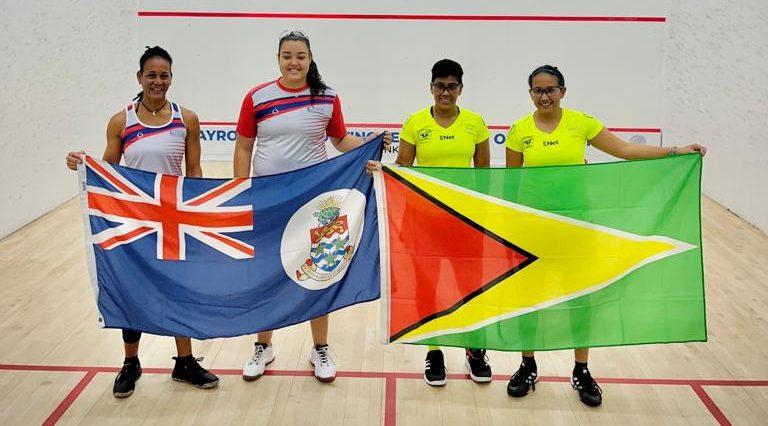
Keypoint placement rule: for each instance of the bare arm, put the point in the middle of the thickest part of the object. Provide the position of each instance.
(611, 144)
(243, 153)
(514, 158)
(406, 154)
(482, 156)
(347, 143)
(192, 150)
(113, 152)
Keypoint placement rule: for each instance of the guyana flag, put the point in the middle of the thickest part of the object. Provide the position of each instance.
(542, 258)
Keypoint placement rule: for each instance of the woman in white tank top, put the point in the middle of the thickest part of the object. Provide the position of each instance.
(155, 135)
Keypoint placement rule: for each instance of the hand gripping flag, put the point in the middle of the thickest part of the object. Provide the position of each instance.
(542, 258)
(211, 258)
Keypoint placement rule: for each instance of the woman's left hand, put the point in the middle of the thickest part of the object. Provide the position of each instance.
(690, 149)
(372, 166)
(387, 138)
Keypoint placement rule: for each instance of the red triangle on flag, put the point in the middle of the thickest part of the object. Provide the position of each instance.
(455, 258)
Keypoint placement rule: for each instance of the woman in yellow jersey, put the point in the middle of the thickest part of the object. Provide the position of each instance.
(444, 135)
(553, 135)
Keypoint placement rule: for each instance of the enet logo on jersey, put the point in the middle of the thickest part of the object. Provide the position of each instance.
(527, 142)
(424, 135)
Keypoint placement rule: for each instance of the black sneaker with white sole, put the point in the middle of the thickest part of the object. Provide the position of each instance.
(125, 382)
(434, 368)
(523, 380)
(477, 365)
(589, 392)
(188, 369)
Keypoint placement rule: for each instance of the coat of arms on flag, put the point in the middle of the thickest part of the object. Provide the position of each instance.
(209, 258)
(330, 243)
(321, 238)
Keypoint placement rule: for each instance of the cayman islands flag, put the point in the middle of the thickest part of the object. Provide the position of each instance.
(208, 258)
(542, 258)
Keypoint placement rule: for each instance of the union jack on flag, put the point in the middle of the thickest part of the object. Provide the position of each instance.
(167, 213)
(174, 256)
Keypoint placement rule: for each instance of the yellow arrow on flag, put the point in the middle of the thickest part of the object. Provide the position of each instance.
(574, 257)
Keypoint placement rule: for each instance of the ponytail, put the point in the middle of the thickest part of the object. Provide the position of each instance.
(315, 81)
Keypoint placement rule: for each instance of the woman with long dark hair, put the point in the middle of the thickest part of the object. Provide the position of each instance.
(291, 117)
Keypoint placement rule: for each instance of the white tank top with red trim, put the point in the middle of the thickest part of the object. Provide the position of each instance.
(158, 149)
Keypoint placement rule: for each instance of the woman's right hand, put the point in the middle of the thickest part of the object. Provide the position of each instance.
(690, 149)
(74, 158)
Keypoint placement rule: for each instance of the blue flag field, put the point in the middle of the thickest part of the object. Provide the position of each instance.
(210, 258)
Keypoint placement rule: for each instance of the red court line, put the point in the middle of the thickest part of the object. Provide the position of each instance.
(390, 401)
(26, 367)
(710, 404)
(390, 379)
(293, 373)
(398, 126)
(613, 129)
(397, 375)
(218, 123)
(634, 129)
(396, 17)
(377, 125)
(70, 398)
(671, 382)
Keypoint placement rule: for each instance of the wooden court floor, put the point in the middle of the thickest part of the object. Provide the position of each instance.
(57, 366)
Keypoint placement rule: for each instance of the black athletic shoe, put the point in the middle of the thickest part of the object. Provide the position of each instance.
(589, 392)
(188, 370)
(477, 364)
(125, 382)
(524, 379)
(434, 370)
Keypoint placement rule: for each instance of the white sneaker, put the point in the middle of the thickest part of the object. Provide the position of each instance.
(262, 355)
(325, 369)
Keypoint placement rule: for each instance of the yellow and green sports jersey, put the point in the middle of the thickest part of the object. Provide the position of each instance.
(437, 146)
(565, 145)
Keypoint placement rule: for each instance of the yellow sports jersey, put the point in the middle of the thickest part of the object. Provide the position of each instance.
(438, 146)
(565, 145)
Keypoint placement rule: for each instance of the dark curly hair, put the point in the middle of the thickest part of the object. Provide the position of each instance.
(151, 52)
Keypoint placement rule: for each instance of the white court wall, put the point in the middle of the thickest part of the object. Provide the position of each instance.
(67, 66)
(381, 66)
(64, 66)
(716, 73)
